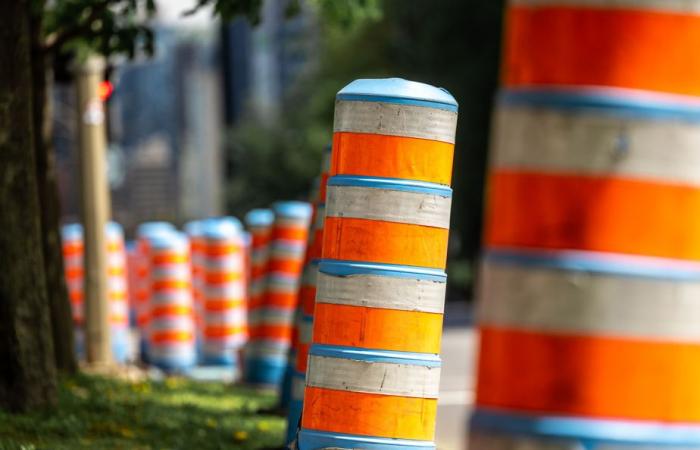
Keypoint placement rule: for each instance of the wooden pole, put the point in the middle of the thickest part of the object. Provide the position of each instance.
(95, 208)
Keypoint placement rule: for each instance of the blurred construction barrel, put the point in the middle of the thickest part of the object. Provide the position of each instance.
(142, 286)
(590, 281)
(259, 223)
(373, 366)
(307, 299)
(72, 243)
(224, 312)
(117, 291)
(171, 324)
(195, 233)
(286, 256)
(287, 252)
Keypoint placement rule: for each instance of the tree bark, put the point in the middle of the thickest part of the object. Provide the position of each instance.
(27, 371)
(47, 185)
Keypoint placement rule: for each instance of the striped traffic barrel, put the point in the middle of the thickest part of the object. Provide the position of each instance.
(591, 264)
(195, 233)
(259, 223)
(307, 299)
(142, 285)
(224, 313)
(72, 243)
(171, 324)
(286, 255)
(131, 277)
(374, 367)
(117, 291)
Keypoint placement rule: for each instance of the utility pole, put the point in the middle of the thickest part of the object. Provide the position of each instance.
(96, 207)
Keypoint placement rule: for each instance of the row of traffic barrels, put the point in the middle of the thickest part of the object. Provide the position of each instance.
(588, 288)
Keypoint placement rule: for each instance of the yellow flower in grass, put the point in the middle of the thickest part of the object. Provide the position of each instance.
(263, 425)
(240, 435)
(212, 423)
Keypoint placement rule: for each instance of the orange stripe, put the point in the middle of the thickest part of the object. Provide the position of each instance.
(115, 271)
(639, 49)
(307, 299)
(221, 248)
(302, 360)
(74, 273)
(72, 249)
(258, 271)
(115, 247)
(591, 376)
(160, 337)
(281, 300)
(169, 258)
(281, 332)
(220, 304)
(369, 414)
(288, 266)
(289, 233)
(387, 329)
(171, 310)
(169, 284)
(391, 156)
(384, 242)
(593, 213)
(76, 296)
(117, 296)
(219, 332)
(221, 277)
(322, 188)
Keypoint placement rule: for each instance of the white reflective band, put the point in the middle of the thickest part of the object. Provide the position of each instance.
(677, 6)
(583, 303)
(373, 377)
(306, 328)
(260, 257)
(298, 388)
(597, 144)
(394, 119)
(388, 205)
(375, 291)
(277, 316)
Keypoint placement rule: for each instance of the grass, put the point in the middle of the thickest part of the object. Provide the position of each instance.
(103, 413)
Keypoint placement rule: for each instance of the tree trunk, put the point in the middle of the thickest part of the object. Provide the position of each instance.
(48, 200)
(28, 370)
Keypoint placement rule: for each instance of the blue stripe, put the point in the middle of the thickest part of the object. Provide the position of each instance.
(623, 105)
(397, 100)
(348, 268)
(394, 184)
(606, 264)
(599, 431)
(312, 439)
(387, 356)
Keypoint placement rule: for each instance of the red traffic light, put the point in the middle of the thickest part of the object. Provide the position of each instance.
(104, 90)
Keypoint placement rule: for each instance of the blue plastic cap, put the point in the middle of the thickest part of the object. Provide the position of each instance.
(114, 228)
(150, 228)
(72, 231)
(172, 239)
(294, 209)
(259, 217)
(398, 90)
(193, 228)
(221, 227)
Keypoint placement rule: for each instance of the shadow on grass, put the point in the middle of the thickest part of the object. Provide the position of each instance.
(102, 413)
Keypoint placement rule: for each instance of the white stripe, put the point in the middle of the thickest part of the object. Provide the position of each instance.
(373, 377)
(394, 119)
(388, 205)
(277, 316)
(678, 6)
(374, 291)
(298, 385)
(597, 144)
(590, 304)
(306, 328)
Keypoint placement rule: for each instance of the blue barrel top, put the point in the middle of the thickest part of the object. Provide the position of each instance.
(293, 209)
(259, 217)
(398, 90)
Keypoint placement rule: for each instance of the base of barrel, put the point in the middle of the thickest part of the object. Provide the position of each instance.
(286, 388)
(311, 439)
(174, 367)
(220, 360)
(293, 418)
(498, 430)
(265, 371)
